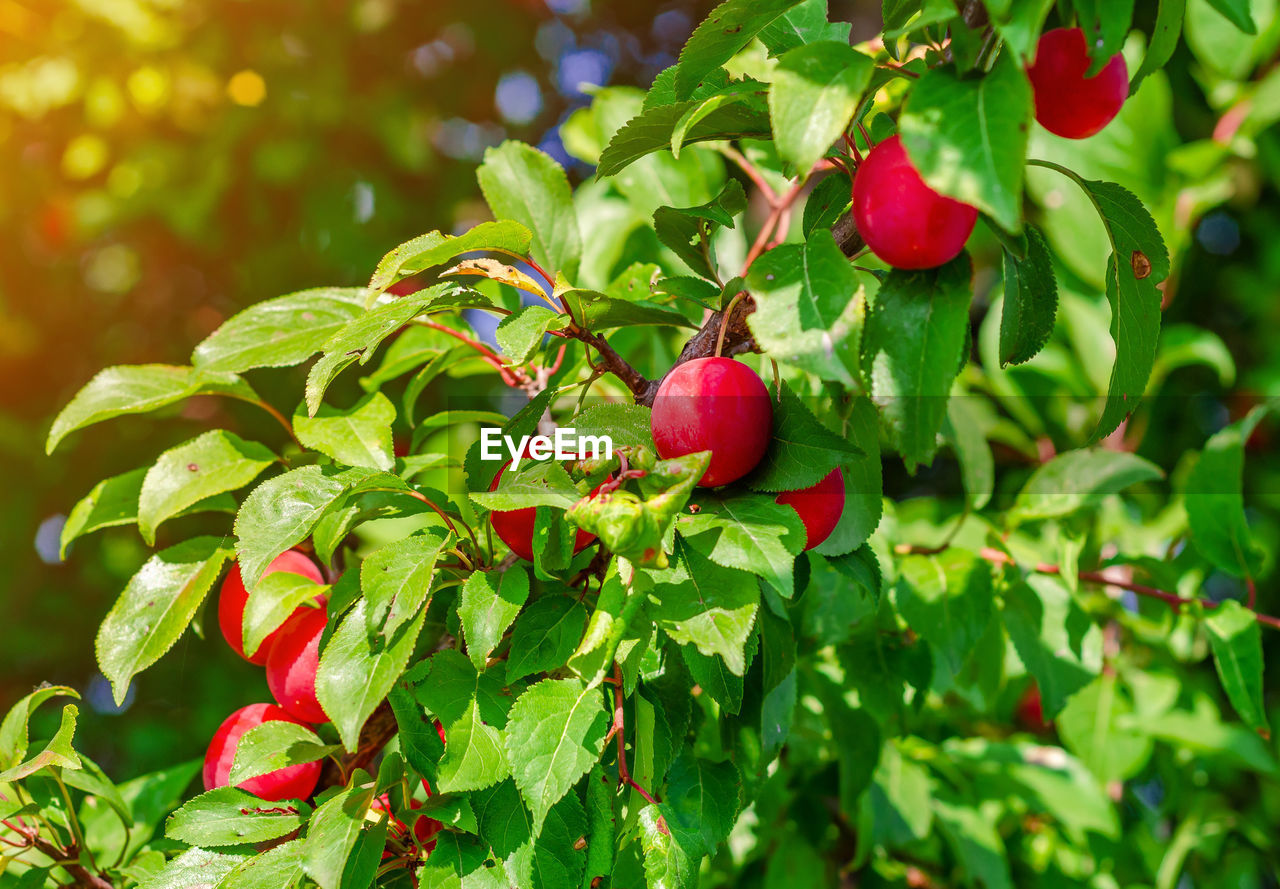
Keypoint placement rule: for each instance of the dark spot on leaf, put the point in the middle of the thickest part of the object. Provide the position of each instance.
(192, 467)
(734, 30)
(579, 844)
(1141, 265)
(694, 508)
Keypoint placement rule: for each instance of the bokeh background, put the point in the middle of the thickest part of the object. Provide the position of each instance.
(164, 163)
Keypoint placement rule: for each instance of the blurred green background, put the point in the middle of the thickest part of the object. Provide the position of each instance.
(166, 162)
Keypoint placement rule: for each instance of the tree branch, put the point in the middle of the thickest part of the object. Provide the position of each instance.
(998, 557)
(378, 731)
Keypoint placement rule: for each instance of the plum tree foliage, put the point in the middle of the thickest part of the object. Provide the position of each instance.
(666, 668)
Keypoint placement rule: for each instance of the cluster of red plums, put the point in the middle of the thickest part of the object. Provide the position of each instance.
(291, 656)
(910, 226)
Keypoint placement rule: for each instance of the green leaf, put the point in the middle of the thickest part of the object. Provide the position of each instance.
(626, 424)
(810, 307)
(975, 841)
(522, 183)
(901, 798)
(272, 601)
(354, 677)
(520, 334)
(558, 859)
(815, 92)
(863, 485)
(545, 635)
(650, 131)
(669, 862)
(137, 389)
(58, 753)
(1106, 24)
(687, 231)
(210, 464)
(13, 731)
(481, 471)
(1236, 638)
(194, 869)
(112, 502)
(609, 635)
(1097, 726)
(473, 755)
(358, 436)
(1237, 12)
(541, 484)
(230, 817)
(555, 734)
(598, 312)
(279, 867)
(716, 680)
(967, 136)
(280, 513)
(150, 798)
(711, 607)
(1056, 640)
(805, 23)
(1030, 305)
(747, 531)
(827, 202)
(472, 706)
(912, 350)
(155, 607)
(335, 831)
(1139, 261)
(947, 599)
(1020, 26)
(1215, 501)
(1077, 479)
(279, 332)
(275, 745)
(396, 581)
(703, 797)
(490, 601)
(963, 431)
(1164, 41)
(435, 248)
(94, 782)
(361, 336)
(801, 452)
(728, 28)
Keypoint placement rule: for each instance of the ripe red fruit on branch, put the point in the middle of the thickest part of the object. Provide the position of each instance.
(904, 221)
(292, 664)
(293, 782)
(1030, 711)
(1068, 102)
(234, 597)
(717, 405)
(515, 526)
(819, 506)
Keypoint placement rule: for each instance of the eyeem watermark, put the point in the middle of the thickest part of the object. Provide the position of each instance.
(565, 444)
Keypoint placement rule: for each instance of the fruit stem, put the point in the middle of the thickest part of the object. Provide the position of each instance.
(512, 376)
(754, 174)
(619, 732)
(724, 322)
